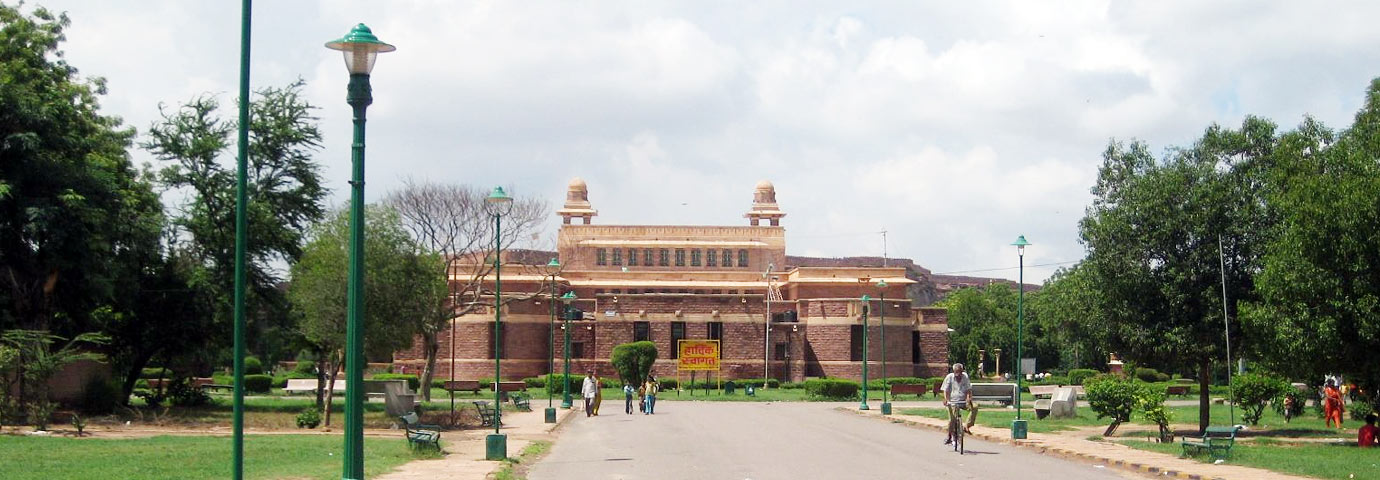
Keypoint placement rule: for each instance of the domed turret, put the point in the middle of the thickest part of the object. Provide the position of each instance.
(764, 205)
(577, 203)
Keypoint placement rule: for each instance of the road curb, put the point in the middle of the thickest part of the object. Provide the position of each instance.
(1060, 452)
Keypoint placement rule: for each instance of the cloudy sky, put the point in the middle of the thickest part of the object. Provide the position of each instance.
(954, 126)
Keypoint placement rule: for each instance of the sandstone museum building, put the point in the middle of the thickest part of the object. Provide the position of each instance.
(775, 315)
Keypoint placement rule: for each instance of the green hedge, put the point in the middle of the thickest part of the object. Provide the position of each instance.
(258, 383)
(755, 382)
(153, 372)
(413, 382)
(832, 388)
(1078, 375)
(252, 366)
(535, 382)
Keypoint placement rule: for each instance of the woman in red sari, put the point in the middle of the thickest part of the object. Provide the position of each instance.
(1332, 404)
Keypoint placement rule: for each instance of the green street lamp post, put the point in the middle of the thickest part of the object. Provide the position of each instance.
(866, 302)
(498, 204)
(881, 288)
(241, 229)
(1018, 426)
(552, 268)
(360, 48)
(567, 299)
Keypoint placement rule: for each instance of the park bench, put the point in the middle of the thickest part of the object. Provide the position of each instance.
(522, 401)
(308, 385)
(1177, 390)
(505, 387)
(1216, 440)
(419, 434)
(459, 385)
(1042, 391)
(909, 389)
(488, 415)
(1004, 393)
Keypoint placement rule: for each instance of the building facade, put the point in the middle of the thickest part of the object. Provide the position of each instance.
(667, 283)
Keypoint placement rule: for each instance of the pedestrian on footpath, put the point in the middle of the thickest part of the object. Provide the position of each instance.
(587, 390)
(1365, 438)
(627, 397)
(642, 397)
(1332, 404)
(651, 388)
(598, 394)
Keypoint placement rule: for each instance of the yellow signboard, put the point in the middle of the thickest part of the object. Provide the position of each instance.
(698, 355)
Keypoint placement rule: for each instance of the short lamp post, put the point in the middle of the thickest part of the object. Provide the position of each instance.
(567, 299)
(360, 48)
(498, 204)
(1018, 426)
(552, 268)
(881, 289)
(866, 301)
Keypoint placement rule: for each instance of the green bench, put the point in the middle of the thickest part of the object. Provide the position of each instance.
(522, 401)
(1216, 440)
(488, 415)
(419, 434)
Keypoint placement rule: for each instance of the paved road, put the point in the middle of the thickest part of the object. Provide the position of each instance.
(768, 441)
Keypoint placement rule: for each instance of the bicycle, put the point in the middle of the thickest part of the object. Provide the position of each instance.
(956, 427)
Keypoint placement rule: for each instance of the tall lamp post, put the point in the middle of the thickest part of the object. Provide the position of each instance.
(569, 297)
(360, 47)
(552, 268)
(881, 289)
(1018, 426)
(498, 204)
(866, 302)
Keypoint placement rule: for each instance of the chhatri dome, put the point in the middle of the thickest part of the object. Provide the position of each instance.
(764, 205)
(577, 203)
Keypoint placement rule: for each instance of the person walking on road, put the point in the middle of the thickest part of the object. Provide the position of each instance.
(598, 394)
(588, 390)
(627, 397)
(958, 396)
(1332, 404)
(650, 389)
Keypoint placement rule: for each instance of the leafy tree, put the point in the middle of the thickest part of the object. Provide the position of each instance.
(1069, 309)
(284, 190)
(986, 318)
(75, 215)
(1319, 308)
(400, 287)
(449, 219)
(634, 361)
(1152, 235)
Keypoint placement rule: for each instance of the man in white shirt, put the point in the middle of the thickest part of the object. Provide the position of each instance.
(958, 396)
(589, 389)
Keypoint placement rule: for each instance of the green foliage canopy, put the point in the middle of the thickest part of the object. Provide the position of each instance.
(634, 361)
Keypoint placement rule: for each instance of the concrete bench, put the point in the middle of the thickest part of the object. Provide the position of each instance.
(459, 385)
(1042, 391)
(1004, 393)
(308, 385)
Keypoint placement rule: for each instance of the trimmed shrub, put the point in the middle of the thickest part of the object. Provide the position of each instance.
(252, 366)
(153, 372)
(1358, 409)
(1078, 375)
(1112, 397)
(633, 361)
(258, 383)
(183, 394)
(100, 396)
(413, 382)
(535, 382)
(309, 418)
(1253, 392)
(832, 388)
(757, 382)
(792, 386)
(557, 384)
(669, 384)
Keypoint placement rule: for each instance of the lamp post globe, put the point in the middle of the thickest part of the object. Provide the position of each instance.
(551, 269)
(567, 299)
(360, 48)
(1018, 426)
(866, 301)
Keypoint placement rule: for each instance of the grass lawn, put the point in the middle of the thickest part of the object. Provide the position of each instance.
(265, 456)
(997, 417)
(1314, 460)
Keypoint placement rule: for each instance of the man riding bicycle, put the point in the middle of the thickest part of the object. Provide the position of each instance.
(958, 396)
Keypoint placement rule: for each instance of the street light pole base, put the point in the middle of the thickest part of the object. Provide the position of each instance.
(1018, 429)
(496, 446)
(863, 406)
(550, 415)
(886, 408)
(566, 404)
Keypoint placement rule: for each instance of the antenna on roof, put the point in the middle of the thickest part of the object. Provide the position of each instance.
(883, 248)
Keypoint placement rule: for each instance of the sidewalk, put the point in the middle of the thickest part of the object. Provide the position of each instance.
(464, 449)
(1107, 453)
